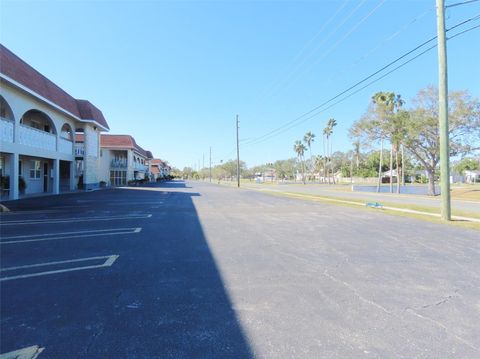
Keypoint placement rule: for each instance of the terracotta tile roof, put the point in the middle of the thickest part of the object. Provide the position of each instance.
(149, 155)
(154, 170)
(157, 161)
(121, 141)
(17, 69)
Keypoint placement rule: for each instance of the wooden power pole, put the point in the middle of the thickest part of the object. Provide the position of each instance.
(443, 112)
(238, 158)
(210, 163)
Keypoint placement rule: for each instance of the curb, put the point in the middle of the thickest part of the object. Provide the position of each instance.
(404, 210)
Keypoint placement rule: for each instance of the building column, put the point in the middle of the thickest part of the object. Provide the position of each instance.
(72, 176)
(56, 176)
(14, 158)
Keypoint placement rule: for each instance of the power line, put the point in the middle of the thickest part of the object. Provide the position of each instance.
(295, 121)
(461, 3)
(384, 41)
(304, 52)
(371, 82)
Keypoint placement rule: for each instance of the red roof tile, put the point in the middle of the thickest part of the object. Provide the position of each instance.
(17, 69)
(121, 141)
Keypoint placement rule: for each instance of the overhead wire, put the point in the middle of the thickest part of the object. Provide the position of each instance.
(384, 41)
(297, 121)
(301, 53)
(461, 3)
(298, 66)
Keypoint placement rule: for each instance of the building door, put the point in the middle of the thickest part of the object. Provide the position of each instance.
(45, 177)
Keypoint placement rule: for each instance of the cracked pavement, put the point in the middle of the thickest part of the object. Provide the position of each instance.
(218, 272)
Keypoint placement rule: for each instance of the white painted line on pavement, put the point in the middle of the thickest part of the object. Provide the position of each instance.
(75, 219)
(26, 353)
(109, 260)
(68, 235)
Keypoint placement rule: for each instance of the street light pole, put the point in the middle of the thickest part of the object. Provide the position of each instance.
(443, 112)
(210, 164)
(238, 158)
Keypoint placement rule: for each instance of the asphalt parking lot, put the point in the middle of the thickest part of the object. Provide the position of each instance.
(183, 270)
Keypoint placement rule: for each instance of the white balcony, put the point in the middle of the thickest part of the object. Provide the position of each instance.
(6, 130)
(65, 146)
(79, 150)
(139, 167)
(119, 163)
(32, 137)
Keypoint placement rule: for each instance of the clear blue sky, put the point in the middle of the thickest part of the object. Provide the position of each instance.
(174, 74)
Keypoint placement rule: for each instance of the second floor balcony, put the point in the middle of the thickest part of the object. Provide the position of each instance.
(6, 130)
(119, 163)
(79, 150)
(33, 137)
(137, 166)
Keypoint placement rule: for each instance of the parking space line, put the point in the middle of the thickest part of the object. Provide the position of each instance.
(31, 352)
(74, 219)
(68, 235)
(109, 260)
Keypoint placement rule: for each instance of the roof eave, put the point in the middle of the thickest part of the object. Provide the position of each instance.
(50, 103)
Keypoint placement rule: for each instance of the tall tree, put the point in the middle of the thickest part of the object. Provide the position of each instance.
(422, 128)
(300, 149)
(327, 132)
(385, 105)
(308, 139)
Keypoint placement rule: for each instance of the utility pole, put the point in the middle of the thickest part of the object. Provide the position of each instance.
(443, 112)
(238, 158)
(210, 164)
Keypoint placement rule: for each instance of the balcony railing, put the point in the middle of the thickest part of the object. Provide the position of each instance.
(79, 150)
(6, 130)
(120, 163)
(32, 137)
(65, 146)
(139, 167)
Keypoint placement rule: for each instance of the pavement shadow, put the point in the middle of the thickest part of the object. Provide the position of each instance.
(164, 297)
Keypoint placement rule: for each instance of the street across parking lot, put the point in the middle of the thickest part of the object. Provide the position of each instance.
(191, 269)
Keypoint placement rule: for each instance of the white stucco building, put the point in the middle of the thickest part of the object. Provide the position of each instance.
(38, 123)
(158, 168)
(122, 160)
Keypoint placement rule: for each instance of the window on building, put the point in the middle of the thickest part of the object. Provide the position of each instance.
(118, 178)
(35, 169)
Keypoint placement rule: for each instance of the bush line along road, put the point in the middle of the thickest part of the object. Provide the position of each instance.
(192, 269)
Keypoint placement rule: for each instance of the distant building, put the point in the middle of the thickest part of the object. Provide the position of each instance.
(159, 169)
(268, 175)
(38, 124)
(472, 176)
(122, 160)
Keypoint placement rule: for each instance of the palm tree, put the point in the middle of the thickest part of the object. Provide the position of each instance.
(327, 132)
(326, 135)
(387, 103)
(308, 138)
(318, 163)
(300, 149)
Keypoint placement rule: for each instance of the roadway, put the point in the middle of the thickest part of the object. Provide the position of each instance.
(182, 270)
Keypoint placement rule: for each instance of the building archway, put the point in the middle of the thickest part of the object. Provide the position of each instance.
(66, 132)
(38, 120)
(6, 112)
